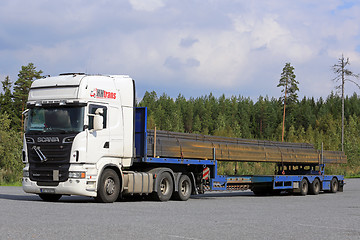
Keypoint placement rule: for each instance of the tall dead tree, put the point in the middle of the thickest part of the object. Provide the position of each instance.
(341, 76)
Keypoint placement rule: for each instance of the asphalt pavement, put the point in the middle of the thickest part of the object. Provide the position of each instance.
(220, 215)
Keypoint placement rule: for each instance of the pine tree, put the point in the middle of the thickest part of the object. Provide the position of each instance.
(6, 96)
(245, 111)
(6, 101)
(289, 85)
(26, 76)
(186, 111)
(197, 124)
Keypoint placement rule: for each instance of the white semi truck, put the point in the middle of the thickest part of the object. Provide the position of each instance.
(84, 136)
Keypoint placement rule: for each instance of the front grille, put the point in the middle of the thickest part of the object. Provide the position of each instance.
(44, 172)
(55, 153)
(56, 166)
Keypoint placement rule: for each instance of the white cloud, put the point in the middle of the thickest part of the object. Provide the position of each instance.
(146, 5)
(231, 47)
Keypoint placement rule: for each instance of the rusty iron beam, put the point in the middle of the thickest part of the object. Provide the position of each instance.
(196, 146)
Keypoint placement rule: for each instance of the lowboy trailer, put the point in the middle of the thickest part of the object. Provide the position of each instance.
(300, 168)
(84, 136)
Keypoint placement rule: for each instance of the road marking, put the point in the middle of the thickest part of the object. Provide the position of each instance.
(182, 237)
(338, 228)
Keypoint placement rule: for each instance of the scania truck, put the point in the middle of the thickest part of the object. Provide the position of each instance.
(85, 136)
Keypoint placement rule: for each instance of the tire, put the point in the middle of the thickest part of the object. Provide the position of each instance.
(50, 197)
(304, 187)
(334, 185)
(108, 187)
(164, 186)
(184, 189)
(314, 188)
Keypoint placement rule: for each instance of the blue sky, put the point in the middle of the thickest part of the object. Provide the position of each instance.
(191, 47)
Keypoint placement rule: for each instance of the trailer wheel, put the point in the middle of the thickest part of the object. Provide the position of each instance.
(50, 197)
(108, 187)
(164, 186)
(334, 185)
(315, 187)
(304, 187)
(184, 187)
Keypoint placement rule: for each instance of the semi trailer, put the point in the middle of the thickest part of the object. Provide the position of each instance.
(85, 136)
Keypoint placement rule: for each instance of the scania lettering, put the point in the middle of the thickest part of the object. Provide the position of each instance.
(48, 139)
(85, 136)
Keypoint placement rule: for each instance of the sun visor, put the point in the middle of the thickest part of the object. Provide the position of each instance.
(53, 93)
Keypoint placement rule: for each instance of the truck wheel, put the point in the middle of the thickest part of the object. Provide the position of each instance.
(50, 197)
(164, 187)
(315, 187)
(184, 189)
(304, 187)
(334, 185)
(108, 187)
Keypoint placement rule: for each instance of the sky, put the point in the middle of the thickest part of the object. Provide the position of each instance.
(188, 47)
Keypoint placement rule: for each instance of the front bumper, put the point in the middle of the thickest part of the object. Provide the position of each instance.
(73, 186)
(82, 187)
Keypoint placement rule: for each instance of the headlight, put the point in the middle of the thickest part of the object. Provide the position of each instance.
(68, 139)
(29, 140)
(77, 175)
(26, 173)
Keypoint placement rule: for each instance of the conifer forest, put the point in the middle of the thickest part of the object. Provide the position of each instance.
(308, 120)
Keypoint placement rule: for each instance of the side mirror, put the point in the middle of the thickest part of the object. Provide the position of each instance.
(26, 116)
(98, 122)
(98, 119)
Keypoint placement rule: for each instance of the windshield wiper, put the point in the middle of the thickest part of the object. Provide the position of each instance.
(50, 131)
(62, 131)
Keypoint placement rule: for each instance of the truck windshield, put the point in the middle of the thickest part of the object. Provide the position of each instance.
(55, 119)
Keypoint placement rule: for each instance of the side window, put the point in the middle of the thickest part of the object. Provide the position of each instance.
(92, 109)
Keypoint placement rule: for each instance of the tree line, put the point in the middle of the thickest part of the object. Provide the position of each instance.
(307, 120)
(13, 100)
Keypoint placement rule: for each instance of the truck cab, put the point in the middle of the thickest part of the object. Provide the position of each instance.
(77, 125)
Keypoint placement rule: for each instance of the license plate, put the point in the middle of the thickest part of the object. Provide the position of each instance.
(47, 190)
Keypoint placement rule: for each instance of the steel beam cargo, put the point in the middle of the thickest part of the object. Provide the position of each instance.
(166, 144)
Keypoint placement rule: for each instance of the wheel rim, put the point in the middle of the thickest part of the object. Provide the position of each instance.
(110, 186)
(185, 188)
(164, 186)
(317, 186)
(304, 187)
(335, 186)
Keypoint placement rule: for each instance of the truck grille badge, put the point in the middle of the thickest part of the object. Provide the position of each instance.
(40, 154)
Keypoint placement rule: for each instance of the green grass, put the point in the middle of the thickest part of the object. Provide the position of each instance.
(13, 184)
(352, 176)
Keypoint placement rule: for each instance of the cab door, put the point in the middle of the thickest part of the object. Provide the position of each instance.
(116, 127)
(98, 141)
